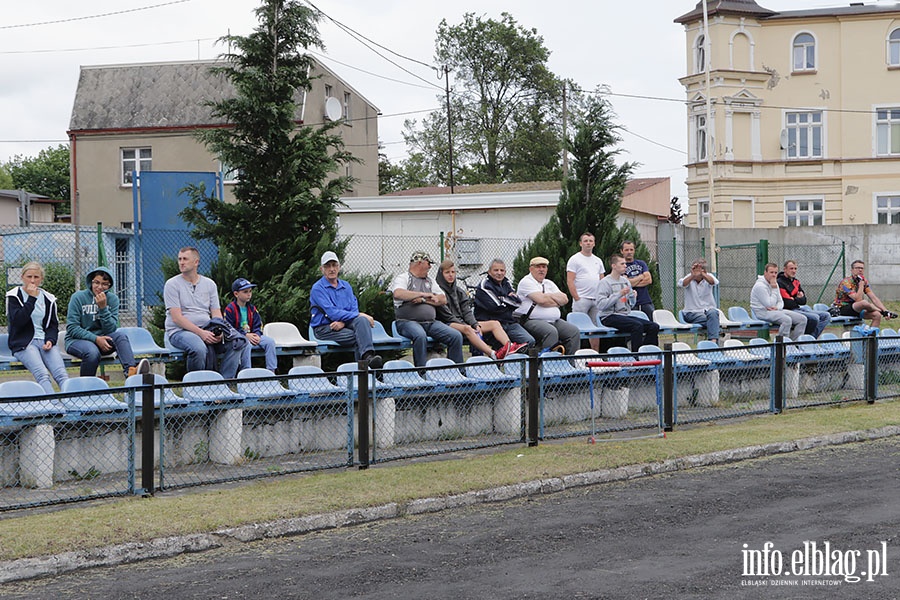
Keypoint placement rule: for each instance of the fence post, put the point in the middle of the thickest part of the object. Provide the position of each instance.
(534, 397)
(362, 413)
(675, 272)
(762, 256)
(148, 449)
(668, 388)
(871, 368)
(778, 375)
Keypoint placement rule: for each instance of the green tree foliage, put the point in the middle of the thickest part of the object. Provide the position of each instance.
(590, 198)
(46, 174)
(503, 106)
(284, 216)
(6, 180)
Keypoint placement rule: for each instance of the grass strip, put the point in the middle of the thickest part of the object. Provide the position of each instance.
(80, 527)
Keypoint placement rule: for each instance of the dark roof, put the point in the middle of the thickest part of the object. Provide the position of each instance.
(148, 96)
(731, 7)
(14, 194)
(749, 7)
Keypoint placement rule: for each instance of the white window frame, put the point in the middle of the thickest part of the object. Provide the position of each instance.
(702, 213)
(893, 48)
(804, 209)
(701, 131)
(700, 57)
(329, 91)
(346, 107)
(126, 175)
(752, 201)
(807, 48)
(887, 130)
(803, 124)
(891, 210)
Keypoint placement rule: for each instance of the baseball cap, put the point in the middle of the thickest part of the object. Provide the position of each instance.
(420, 255)
(328, 257)
(241, 284)
(538, 260)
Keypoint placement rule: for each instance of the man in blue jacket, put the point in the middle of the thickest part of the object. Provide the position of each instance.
(92, 325)
(336, 316)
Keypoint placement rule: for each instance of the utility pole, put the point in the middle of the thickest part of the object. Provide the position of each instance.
(710, 146)
(565, 117)
(449, 121)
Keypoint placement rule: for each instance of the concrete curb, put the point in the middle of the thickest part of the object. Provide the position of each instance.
(28, 568)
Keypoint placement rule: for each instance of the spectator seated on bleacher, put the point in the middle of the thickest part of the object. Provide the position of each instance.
(243, 316)
(795, 299)
(614, 301)
(767, 305)
(335, 313)
(699, 302)
(92, 325)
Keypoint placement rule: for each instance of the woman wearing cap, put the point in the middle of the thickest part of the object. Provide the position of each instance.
(458, 314)
(34, 328)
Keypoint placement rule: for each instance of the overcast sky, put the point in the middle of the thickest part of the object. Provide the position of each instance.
(634, 48)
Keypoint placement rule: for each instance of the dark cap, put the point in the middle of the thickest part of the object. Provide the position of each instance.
(241, 284)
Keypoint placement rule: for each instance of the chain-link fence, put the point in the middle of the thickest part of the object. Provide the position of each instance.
(94, 441)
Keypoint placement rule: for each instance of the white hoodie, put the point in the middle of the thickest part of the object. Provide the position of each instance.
(763, 296)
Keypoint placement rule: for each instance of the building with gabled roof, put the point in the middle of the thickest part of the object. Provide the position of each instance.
(137, 117)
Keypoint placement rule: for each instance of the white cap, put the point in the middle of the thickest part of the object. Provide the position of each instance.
(328, 257)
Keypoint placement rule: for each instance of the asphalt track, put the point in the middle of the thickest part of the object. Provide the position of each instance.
(677, 536)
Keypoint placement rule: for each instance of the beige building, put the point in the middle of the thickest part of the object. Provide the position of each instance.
(20, 208)
(805, 126)
(139, 117)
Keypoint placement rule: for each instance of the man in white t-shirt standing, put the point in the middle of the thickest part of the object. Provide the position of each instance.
(583, 272)
(541, 299)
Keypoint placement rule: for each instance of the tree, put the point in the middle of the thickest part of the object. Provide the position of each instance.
(46, 174)
(503, 109)
(675, 215)
(6, 180)
(284, 216)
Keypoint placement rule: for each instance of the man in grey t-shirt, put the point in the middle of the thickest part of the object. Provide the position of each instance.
(191, 301)
(415, 297)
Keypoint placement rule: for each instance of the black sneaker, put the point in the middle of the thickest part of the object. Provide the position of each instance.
(888, 314)
(374, 362)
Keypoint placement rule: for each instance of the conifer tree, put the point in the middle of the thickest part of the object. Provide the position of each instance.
(288, 183)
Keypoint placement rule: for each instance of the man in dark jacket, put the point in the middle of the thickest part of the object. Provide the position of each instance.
(795, 299)
(495, 299)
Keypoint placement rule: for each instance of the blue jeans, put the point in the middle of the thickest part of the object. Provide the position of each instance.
(816, 320)
(709, 318)
(268, 346)
(419, 332)
(518, 334)
(195, 349)
(90, 354)
(356, 334)
(38, 361)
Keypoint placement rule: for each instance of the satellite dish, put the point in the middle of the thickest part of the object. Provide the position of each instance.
(784, 139)
(333, 109)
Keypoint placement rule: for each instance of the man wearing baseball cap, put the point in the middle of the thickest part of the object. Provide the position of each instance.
(335, 313)
(243, 316)
(415, 297)
(541, 299)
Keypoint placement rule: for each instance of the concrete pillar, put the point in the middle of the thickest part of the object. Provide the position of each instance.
(707, 386)
(225, 433)
(508, 411)
(791, 381)
(614, 402)
(385, 422)
(37, 447)
(310, 360)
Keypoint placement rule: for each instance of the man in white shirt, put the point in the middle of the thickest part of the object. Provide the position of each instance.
(699, 302)
(583, 273)
(541, 299)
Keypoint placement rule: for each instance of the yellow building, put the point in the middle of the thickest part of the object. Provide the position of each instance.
(805, 126)
(142, 117)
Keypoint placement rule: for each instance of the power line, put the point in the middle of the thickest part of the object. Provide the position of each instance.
(46, 51)
(85, 18)
(661, 145)
(349, 66)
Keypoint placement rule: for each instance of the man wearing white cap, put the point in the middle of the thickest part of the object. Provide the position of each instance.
(541, 299)
(336, 316)
(415, 297)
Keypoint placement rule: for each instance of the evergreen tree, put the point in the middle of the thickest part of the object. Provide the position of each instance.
(284, 215)
(590, 198)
